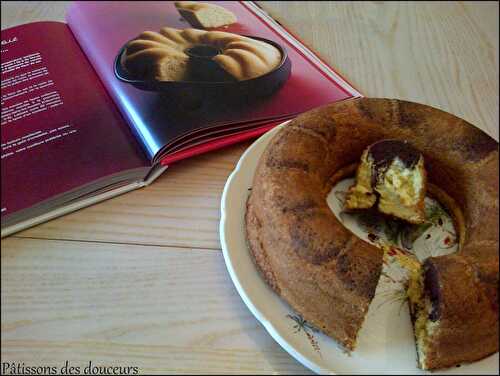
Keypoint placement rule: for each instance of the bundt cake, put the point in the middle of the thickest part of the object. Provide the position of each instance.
(182, 55)
(329, 276)
(205, 15)
(392, 172)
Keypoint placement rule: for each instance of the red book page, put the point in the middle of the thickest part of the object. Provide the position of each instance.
(102, 28)
(59, 128)
(217, 144)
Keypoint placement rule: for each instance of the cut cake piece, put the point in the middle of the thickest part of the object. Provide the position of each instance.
(392, 173)
(204, 15)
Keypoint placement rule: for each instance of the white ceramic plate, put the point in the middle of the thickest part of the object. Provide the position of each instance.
(385, 342)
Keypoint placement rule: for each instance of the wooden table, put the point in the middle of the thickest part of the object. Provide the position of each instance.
(140, 280)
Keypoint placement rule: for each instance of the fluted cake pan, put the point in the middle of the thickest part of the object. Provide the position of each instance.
(257, 87)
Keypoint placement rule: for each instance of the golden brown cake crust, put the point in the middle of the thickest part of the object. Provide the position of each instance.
(327, 274)
(163, 55)
(192, 11)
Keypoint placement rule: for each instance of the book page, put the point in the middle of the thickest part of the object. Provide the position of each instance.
(60, 129)
(103, 28)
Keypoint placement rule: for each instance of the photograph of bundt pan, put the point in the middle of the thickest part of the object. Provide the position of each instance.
(209, 79)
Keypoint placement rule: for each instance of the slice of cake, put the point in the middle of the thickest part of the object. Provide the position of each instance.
(422, 310)
(204, 15)
(391, 173)
(422, 314)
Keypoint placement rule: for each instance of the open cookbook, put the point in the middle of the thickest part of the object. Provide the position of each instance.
(75, 130)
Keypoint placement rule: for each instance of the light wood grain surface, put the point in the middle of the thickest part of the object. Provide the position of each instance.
(139, 280)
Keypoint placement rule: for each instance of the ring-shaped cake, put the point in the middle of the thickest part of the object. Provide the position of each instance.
(181, 55)
(329, 275)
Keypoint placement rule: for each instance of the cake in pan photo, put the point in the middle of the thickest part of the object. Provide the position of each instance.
(181, 55)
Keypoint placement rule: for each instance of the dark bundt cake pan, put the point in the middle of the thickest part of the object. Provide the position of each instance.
(256, 87)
